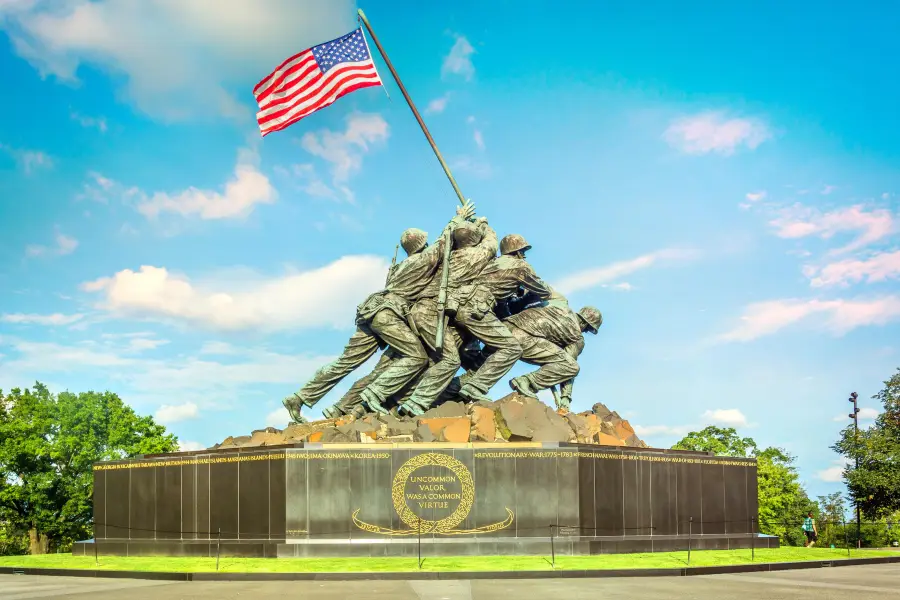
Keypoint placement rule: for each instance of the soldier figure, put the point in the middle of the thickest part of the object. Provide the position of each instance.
(381, 321)
(551, 338)
(478, 280)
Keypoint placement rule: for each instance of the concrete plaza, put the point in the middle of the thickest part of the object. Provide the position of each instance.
(857, 583)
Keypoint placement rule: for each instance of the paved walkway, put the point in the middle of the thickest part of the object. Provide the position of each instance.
(857, 583)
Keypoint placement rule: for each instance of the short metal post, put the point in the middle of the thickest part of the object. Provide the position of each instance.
(552, 549)
(218, 546)
(752, 540)
(846, 540)
(419, 531)
(690, 537)
(96, 558)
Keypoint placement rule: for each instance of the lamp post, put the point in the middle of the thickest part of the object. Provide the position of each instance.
(853, 415)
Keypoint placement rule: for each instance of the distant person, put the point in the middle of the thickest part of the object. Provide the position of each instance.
(809, 528)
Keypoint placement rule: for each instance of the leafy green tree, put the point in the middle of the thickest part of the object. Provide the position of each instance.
(782, 500)
(831, 522)
(48, 444)
(875, 485)
(718, 440)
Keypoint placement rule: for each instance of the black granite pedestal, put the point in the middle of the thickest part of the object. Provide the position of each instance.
(450, 499)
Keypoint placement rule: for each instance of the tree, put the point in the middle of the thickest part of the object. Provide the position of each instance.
(720, 441)
(48, 445)
(831, 522)
(875, 485)
(782, 499)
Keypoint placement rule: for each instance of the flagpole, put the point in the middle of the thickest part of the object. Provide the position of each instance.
(445, 267)
(412, 106)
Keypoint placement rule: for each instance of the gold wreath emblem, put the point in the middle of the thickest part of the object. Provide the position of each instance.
(433, 459)
(447, 525)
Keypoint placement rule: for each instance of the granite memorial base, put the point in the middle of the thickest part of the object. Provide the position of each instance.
(367, 500)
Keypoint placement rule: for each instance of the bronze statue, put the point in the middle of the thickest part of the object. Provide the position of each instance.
(479, 284)
(381, 320)
(495, 310)
(551, 338)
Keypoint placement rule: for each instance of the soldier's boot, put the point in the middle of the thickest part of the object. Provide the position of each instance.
(411, 408)
(522, 384)
(332, 412)
(293, 404)
(359, 411)
(374, 402)
(470, 394)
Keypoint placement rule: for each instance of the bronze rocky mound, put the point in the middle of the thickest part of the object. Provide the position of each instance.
(514, 418)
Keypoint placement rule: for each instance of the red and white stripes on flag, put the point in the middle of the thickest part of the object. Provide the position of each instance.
(313, 79)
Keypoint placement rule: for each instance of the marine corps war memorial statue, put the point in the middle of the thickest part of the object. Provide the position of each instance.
(417, 455)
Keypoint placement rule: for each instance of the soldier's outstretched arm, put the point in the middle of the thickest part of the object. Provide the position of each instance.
(489, 243)
(463, 214)
(534, 284)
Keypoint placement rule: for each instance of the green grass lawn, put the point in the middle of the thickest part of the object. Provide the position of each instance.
(485, 563)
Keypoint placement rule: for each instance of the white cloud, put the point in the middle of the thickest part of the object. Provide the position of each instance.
(828, 189)
(756, 196)
(175, 60)
(278, 418)
(730, 417)
(180, 412)
(248, 188)
(28, 160)
(479, 139)
(477, 167)
(837, 316)
(879, 267)
(152, 382)
(865, 414)
(662, 430)
(620, 287)
(188, 446)
(593, 277)
(459, 60)
(714, 132)
(831, 474)
(344, 150)
(885, 196)
(220, 348)
(437, 105)
(98, 123)
(101, 189)
(51, 320)
(834, 474)
(64, 245)
(276, 303)
(140, 344)
(799, 221)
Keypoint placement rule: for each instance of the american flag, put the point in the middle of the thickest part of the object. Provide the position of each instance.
(313, 79)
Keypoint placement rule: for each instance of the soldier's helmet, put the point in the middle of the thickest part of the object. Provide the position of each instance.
(413, 240)
(592, 317)
(513, 243)
(466, 235)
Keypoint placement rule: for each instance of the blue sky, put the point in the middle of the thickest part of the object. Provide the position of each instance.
(722, 183)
